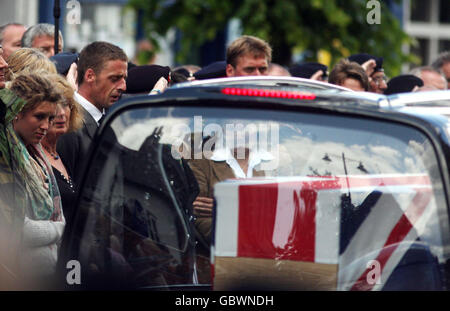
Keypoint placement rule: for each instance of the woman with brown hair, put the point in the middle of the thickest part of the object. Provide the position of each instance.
(68, 119)
(350, 75)
(31, 217)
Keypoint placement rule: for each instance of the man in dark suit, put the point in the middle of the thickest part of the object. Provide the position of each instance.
(101, 75)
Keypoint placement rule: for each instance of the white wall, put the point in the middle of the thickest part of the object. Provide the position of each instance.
(19, 11)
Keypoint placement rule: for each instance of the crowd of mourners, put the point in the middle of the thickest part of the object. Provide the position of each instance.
(52, 104)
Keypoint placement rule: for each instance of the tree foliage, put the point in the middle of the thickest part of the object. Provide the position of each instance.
(339, 27)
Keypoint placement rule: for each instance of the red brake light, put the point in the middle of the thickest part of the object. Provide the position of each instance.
(267, 93)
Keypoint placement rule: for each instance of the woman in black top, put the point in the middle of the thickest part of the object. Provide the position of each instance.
(68, 118)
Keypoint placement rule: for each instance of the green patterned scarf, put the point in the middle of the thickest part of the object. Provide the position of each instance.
(35, 173)
(27, 184)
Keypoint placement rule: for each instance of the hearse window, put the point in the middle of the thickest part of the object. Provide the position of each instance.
(143, 179)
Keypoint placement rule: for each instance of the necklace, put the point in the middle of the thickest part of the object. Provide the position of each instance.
(53, 155)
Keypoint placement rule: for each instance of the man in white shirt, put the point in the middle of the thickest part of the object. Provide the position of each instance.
(246, 56)
(242, 159)
(101, 74)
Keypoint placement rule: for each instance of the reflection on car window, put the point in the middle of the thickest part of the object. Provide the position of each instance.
(154, 163)
(312, 148)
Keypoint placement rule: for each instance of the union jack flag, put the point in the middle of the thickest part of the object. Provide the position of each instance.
(343, 232)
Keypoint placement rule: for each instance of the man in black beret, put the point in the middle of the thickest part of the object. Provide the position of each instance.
(66, 65)
(187, 70)
(213, 70)
(310, 70)
(63, 61)
(374, 68)
(141, 79)
(403, 84)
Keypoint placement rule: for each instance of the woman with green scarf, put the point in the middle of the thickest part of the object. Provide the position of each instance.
(31, 218)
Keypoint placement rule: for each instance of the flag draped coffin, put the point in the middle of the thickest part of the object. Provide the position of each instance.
(324, 233)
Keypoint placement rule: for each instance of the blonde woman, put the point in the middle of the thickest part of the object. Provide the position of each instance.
(28, 60)
(31, 217)
(68, 119)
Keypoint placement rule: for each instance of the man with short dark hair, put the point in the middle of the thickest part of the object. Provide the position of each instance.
(248, 56)
(403, 84)
(310, 70)
(10, 38)
(442, 63)
(3, 67)
(41, 36)
(102, 72)
(101, 76)
(350, 75)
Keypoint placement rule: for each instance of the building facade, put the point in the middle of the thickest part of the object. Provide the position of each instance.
(428, 21)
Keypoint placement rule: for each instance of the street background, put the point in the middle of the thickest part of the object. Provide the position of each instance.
(173, 32)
